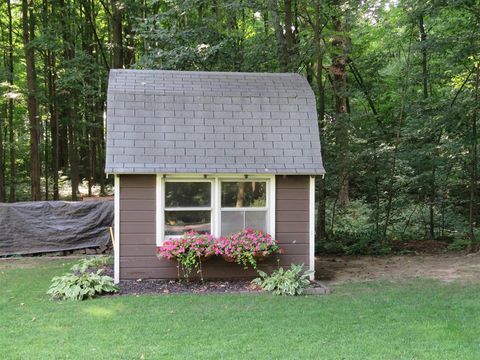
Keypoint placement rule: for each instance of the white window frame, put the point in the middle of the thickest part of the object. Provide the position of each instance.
(215, 206)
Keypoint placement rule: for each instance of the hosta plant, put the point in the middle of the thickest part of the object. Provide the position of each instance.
(248, 246)
(95, 262)
(189, 251)
(81, 285)
(291, 282)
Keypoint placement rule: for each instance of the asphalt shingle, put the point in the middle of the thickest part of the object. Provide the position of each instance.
(211, 122)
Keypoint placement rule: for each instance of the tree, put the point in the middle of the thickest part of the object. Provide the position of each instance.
(338, 73)
(28, 22)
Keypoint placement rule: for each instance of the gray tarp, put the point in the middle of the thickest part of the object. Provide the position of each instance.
(43, 226)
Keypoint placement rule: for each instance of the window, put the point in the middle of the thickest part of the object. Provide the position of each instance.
(243, 205)
(188, 206)
(217, 205)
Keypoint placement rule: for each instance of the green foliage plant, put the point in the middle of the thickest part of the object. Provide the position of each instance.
(96, 262)
(81, 286)
(289, 282)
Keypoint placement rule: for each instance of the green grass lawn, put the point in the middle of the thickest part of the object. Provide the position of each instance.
(418, 319)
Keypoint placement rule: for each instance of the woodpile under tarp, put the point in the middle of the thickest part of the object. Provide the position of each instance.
(49, 226)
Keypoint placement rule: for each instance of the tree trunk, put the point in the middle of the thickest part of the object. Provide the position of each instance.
(2, 163)
(240, 195)
(285, 35)
(11, 134)
(289, 33)
(100, 134)
(432, 195)
(28, 35)
(338, 72)
(423, 38)
(53, 109)
(72, 143)
(474, 164)
(117, 35)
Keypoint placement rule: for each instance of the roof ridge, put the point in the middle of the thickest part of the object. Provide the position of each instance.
(233, 73)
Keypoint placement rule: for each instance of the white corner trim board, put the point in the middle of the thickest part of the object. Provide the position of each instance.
(311, 214)
(158, 213)
(116, 250)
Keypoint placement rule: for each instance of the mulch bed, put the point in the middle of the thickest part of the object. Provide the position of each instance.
(195, 286)
(138, 287)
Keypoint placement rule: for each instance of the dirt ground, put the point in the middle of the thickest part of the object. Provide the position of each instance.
(444, 267)
(339, 269)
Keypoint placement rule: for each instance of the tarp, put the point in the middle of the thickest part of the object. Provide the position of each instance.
(44, 226)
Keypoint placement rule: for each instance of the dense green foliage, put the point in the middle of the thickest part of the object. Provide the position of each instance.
(414, 319)
(84, 281)
(290, 282)
(81, 286)
(92, 263)
(397, 86)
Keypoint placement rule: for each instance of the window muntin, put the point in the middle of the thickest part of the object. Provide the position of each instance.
(243, 205)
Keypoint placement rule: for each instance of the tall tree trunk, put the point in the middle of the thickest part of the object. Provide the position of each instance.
(11, 134)
(432, 195)
(338, 71)
(72, 143)
(69, 114)
(100, 133)
(117, 35)
(240, 195)
(2, 157)
(285, 35)
(289, 33)
(46, 71)
(474, 164)
(28, 22)
(423, 39)
(53, 110)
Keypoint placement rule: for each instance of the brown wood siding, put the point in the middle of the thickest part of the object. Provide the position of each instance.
(137, 231)
(137, 226)
(292, 227)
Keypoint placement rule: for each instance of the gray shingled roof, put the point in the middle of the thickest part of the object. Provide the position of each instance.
(211, 122)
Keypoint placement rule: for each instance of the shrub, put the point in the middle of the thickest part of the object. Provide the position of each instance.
(96, 262)
(189, 251)
(352, 232)
(459, 244)
(291, 282)
(81, 286)
(248, 246)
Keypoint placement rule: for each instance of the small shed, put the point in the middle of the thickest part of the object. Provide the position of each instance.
(215, 152)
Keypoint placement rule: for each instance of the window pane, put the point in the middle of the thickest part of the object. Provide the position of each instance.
(187, 194)
(178, 222)
(232, 221)
(256, 220)
(244, 194)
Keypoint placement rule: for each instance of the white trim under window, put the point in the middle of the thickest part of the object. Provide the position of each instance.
(215, 204)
